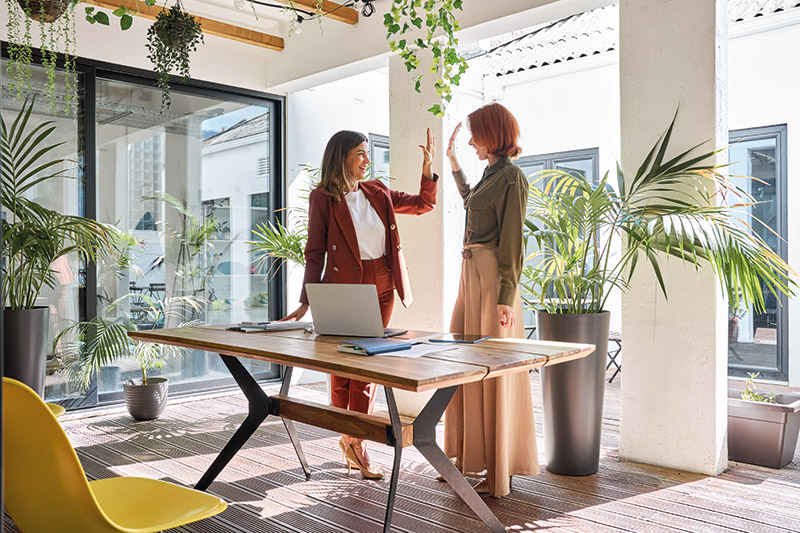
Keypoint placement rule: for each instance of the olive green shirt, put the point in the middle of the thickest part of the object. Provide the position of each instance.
(495, 216)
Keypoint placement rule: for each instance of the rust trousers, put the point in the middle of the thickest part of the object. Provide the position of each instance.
(350, 393)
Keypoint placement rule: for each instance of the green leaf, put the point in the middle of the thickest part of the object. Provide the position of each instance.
(119, 11)
(125, 22)
(89, 10)
(101, 18)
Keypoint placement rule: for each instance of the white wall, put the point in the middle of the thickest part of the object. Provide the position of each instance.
(763, 92)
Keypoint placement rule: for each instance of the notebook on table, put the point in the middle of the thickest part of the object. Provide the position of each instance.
(372, 346)
(345, 309)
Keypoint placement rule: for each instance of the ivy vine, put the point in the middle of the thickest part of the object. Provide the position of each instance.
(172, 36)
(438, 17)
(56, 21)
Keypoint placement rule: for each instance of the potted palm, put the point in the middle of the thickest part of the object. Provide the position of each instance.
(102, 341)
(37, 242)
(667, 209)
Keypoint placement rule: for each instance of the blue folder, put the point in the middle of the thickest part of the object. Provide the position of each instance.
(372, 345)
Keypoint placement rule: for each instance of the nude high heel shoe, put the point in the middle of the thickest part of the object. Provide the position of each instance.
(355, 456)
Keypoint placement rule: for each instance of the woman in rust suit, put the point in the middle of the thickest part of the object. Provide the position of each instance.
(489, 424)
(352, 222)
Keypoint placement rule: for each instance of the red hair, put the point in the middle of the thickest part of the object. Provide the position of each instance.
(494, 127)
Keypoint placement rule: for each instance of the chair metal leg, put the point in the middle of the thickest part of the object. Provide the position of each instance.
(425, 442)
(289, 425)
(257, 412)
(612, 360)
(397, 438)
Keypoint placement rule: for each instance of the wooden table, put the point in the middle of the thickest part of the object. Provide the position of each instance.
(441, 371)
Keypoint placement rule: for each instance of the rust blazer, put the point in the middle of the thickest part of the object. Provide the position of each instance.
(331, 232)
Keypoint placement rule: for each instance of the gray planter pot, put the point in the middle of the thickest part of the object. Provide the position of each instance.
(146, 402)
(573, 392)
(25, 345)
(763, 434)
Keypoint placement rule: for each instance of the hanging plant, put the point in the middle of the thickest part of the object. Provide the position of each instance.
(56, 24)
(407, 16)
(172, 36)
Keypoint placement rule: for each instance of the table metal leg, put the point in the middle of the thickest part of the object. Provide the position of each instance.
(425, 442)
(289, 425)
(397, 437)
(258, 409)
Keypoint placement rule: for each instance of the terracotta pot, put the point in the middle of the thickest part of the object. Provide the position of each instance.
(44, 10)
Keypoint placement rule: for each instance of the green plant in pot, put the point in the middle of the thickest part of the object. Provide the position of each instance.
(762, 427)
(37, 242)
(103, 341)
(667, 210)
(172, 36)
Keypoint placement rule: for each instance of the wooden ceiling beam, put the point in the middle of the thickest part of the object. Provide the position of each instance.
(210, 27)
(332, 10)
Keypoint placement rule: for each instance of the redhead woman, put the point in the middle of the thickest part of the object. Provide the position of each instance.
(489, 424)
(353, 238)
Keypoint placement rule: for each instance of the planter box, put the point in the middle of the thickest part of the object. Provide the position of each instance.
(761, 433)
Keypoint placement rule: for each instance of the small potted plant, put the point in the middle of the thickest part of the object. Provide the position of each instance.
(101, 341)
(762, 428)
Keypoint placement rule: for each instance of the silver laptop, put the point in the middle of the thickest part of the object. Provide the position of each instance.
(347, 310)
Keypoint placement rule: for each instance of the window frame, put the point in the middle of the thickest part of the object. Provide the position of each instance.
(779, 133)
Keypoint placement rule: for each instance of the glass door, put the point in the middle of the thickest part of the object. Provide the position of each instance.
(185, 185)
(758, 341)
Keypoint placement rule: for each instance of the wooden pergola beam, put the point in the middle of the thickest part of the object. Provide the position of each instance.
(332, 10)
(210, 27)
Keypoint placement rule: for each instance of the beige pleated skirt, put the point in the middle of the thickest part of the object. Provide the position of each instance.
(489, 424)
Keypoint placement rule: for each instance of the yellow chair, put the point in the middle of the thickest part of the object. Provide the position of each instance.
(46, 488)
(57, 410)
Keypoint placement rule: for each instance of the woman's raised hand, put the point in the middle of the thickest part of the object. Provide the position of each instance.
(428, 153)
(451, 149)
(297, 314)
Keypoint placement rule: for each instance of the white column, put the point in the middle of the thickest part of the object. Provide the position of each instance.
(422, 237)
(673, 52)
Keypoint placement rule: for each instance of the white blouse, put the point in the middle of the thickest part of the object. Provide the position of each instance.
(370, 231)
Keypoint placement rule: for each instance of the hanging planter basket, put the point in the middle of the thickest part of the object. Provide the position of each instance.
(44, 10)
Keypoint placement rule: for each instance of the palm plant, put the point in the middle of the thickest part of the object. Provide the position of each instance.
(101, 341)
(34, 237)
(189, 241)
(680, 207)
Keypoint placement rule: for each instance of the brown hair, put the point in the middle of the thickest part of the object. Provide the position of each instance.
(333, 175)
(494, 127)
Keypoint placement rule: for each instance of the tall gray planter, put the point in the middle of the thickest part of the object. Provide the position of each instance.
(25, 345)
(573, 392)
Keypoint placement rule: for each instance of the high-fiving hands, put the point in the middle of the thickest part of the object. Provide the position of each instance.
(451, 149)
(428, 153)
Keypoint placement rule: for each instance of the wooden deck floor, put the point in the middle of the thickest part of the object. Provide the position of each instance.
(267, 491)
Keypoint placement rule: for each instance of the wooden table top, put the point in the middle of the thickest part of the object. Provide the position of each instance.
(464, 363)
